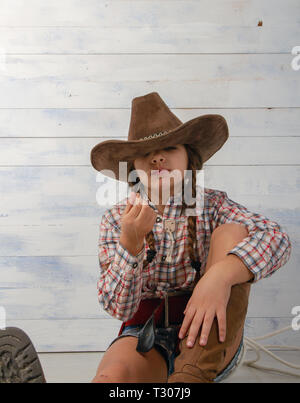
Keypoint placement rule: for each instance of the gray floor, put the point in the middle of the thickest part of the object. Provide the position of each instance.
(81, 367)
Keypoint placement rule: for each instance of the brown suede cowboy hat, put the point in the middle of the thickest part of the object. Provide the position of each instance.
(153, 126)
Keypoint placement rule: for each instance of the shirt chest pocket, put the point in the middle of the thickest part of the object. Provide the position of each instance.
(172, 243)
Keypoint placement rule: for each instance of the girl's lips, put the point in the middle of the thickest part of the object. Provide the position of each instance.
(160, 172)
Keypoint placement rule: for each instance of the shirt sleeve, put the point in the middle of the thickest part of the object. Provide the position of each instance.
(120, 282)
(267, 246)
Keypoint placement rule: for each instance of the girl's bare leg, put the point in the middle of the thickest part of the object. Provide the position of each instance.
(122, 363)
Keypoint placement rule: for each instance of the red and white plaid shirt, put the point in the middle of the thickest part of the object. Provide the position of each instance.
(123, 282)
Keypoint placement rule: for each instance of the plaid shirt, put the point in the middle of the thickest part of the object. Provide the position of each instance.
(123, 282)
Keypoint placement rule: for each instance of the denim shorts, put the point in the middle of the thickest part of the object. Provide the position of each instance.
(133, 330)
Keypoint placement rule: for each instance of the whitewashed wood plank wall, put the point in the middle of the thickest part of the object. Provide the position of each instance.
(68, 72)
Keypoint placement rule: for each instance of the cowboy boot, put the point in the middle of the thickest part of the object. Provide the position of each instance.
(201, 364)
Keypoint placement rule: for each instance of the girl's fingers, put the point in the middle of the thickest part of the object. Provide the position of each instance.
(222, 325)
(187, 306)
(132, 197)
(143, 211)
(208, 320)
(129, 202)
(136, 207)
(186, 323)
(194, 328)
(147, 213)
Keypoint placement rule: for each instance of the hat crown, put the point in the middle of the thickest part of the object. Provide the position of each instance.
(149, 116)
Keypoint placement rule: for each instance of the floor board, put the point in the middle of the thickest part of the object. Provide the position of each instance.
(80, 367)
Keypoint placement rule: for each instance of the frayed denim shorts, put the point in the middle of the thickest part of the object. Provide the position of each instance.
(133, 330)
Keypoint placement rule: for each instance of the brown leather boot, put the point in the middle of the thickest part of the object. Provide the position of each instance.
(201, 364)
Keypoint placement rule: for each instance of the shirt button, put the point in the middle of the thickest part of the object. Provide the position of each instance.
(158, 219)
(134, 265)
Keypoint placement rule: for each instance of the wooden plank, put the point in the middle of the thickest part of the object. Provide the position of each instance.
(54, 199)
(49, 267)
(59, 287)
(49, 240)
(97, 334)
(49, 215)
(111, 81)
(70, 335)
(66, 288)
(147, 13)
(172, 38)
(114, 123)
(47, 302)
(61, 151)
(57, 199)
(81, 367)
(63, 272)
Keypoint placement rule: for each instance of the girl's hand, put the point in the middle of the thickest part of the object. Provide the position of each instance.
(137, 220)
(209, 299)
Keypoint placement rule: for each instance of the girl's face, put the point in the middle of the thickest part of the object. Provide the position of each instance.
(173, 158)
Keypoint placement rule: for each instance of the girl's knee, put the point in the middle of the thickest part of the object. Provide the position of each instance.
(232, 230)
(118, 372)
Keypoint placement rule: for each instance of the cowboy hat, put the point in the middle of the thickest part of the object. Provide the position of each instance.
(153, 126)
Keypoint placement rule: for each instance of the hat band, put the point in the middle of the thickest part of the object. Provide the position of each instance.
(156, 135)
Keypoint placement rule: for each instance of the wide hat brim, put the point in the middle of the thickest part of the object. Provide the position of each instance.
(206, 133)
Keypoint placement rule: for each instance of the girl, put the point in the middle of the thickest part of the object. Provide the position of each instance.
(200, 263)
(204, 262)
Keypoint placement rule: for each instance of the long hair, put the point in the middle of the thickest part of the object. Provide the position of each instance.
(194, 163)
